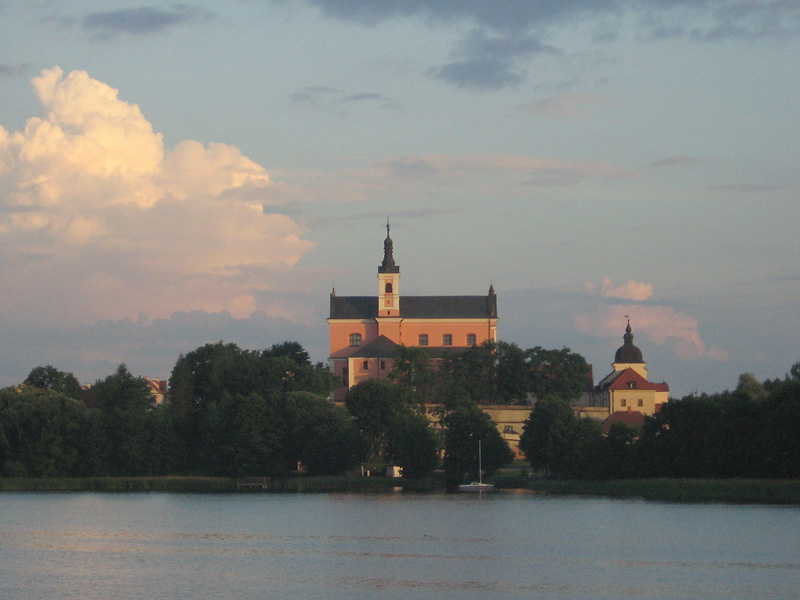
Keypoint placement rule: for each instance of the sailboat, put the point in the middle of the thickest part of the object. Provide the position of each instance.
(477, 486)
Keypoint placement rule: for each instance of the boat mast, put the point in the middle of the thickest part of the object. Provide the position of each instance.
(480, 465)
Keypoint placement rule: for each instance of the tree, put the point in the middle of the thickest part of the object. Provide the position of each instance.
(783, 427)
(466, 424)
(321, 436)
(562, 373)
(683, 439)
(750, 388)
(555, 440)
(129, 423)
(617, 457)
(412, 445)
(40, 431)
(291, 350)
(50, 378)
(204, 377)
(376, 405)
(512, 373)
(394, 424)
(473, 371)
(412, 369)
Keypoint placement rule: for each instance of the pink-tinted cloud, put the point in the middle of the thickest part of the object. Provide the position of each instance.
(661, 324)
(99, 220)
(638, 291)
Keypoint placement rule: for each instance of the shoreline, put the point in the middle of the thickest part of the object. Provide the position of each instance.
(729, 491)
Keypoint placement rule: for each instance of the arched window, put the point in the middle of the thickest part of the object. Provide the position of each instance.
(389, 287)
(355, 339)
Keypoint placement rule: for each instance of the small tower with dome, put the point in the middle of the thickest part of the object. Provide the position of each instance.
(626, 388)
(629, 356)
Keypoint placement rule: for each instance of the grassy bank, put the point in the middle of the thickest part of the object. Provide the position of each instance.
(734, 491)
(120, 484)
(215, 485)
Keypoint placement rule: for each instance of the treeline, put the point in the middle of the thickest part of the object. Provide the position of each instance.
(237, 413)
(494, 373)
(751, 432)
(232, 413)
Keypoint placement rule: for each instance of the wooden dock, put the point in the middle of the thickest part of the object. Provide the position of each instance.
(253, 483)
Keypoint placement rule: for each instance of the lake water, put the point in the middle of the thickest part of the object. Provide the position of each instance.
(335, 546)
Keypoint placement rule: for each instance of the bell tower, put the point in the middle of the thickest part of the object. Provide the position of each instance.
(388, 281)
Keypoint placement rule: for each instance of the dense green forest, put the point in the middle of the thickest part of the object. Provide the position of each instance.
(751, 432)
(239, 413)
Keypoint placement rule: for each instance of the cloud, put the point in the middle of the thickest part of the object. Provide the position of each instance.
(499, 15)
(149, 347)
(486, 61)
(142, 20)
(750, 21)
(99, 220)
(527, 170)
(7, 70)
(662, 324)
(674, 161)
(630, 290)
(747, 188)
(504, 35)
(398, 177)
(336, 101)
(562, 106)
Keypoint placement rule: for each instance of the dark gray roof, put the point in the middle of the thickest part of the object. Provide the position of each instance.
(417, 307)
(628, 353)
(380, 347)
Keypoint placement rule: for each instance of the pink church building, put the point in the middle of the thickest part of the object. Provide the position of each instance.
(365, 330)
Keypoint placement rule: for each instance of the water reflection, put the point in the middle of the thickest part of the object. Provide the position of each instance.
(94, 546)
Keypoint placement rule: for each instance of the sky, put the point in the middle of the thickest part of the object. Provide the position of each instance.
(173, 174)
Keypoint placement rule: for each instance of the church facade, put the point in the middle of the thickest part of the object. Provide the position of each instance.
(365, 330)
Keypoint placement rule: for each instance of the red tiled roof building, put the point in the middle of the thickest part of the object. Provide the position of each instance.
(626, 388)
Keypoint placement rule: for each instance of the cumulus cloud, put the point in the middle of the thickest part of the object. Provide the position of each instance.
(661, 324)
(98, 219)
(630, 290)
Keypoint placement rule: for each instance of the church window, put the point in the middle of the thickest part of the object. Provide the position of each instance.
(470, 339)
(355, 339)
(423, 339)
(447, 339)
(389, 287)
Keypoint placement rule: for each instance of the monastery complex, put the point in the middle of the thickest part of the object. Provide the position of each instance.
(365, 330)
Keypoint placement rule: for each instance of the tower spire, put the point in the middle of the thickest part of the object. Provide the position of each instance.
(388, 265)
